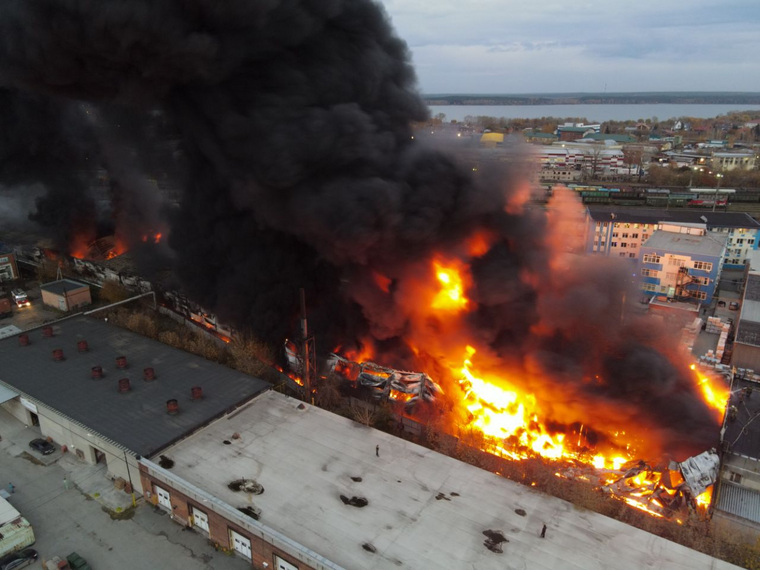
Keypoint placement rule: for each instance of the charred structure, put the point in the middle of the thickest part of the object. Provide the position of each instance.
(298, 167)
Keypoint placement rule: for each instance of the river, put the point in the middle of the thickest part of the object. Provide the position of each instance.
(591, 113)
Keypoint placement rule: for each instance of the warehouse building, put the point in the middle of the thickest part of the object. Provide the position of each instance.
(109, 395)
(290, 486)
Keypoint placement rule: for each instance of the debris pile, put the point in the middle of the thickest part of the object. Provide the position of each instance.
(385, 383)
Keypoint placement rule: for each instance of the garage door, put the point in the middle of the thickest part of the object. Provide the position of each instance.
(163, 497)
(283, 565)
(240, 544)
(200, 520)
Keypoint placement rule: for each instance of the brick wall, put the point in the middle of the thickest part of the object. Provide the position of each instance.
(219, 527)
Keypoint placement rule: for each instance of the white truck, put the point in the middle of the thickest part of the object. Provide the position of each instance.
(15, 531)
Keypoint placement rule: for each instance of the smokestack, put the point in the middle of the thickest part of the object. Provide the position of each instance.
(23, 339)
(58, 354)
(47, 331)
(196, 392)
(124, 385)
(172, 407)
(96, 372)
(82, 346)
(121, 362)
(149, 374)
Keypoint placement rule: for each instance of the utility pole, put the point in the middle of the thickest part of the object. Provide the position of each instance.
(308, 354)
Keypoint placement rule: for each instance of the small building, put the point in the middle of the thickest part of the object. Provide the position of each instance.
(65, 294)
(682, 262)
(8, 266)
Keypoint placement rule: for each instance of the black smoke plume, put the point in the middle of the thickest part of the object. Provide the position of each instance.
(299, 168)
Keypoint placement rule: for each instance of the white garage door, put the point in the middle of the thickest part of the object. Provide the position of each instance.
(283, 565)
(163, 497)
(200, 519)
(240, 544)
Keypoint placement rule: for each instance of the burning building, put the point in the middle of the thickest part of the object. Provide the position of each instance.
(299, 169)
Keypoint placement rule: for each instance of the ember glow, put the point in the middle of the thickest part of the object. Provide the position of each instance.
(451, 296)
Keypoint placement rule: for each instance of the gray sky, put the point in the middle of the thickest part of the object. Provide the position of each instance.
(520, 46)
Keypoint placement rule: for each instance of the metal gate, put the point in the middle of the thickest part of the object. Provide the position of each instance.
(164, 499)
(200, 520)
(283, 565)
(241, 544)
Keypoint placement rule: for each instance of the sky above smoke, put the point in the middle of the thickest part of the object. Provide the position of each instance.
(515, 46)
(286, 125)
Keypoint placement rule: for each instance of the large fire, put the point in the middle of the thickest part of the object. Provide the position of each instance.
(521, 417)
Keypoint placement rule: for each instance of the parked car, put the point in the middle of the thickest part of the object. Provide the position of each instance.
(42, 445)
(19, 559)
(733, 306)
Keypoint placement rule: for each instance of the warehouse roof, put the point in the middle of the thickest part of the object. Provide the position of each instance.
(748, 331)
(424, 509)
(711, 244)
(653, 216)
(136, 419)
(743, 432)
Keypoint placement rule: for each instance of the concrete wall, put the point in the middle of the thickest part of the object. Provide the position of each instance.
(77, 439)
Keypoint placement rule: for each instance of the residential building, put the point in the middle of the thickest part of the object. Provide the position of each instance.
(8, 266)
(682, 262)
(621, 232)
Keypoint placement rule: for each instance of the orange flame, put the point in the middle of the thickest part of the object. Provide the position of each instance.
(451, 296)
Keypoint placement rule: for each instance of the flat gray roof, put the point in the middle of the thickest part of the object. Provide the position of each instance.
(425, 510)
(63, 285)
(743, 433)
(710, 244)
(654, 215)
(136, 419)
(748, 331)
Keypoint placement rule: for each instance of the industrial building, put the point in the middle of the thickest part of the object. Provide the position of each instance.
(737, 501)
(621, 232)
(682, 262)
(288, 485)
(108, 395)
(66, 294)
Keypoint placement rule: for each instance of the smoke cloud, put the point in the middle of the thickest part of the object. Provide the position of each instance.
(287, 128)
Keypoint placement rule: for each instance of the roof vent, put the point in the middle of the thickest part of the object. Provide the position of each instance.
(58, 354)
(123, 385)
(82, 346)
(121, 362)
(47, 331)
(96, 372)
(196, 392)
(172, 407)
(149, 374)
(23, 339)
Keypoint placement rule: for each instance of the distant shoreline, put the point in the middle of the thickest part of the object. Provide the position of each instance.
(679, 98)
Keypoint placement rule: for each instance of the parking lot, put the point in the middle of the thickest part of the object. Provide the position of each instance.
(73, 507)
(32, 316)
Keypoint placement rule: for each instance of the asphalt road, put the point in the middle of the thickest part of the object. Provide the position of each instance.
(69, 520)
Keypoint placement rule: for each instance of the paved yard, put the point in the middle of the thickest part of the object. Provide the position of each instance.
(77, 518)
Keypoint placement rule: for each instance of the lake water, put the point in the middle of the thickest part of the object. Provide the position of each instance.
(592, 113)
